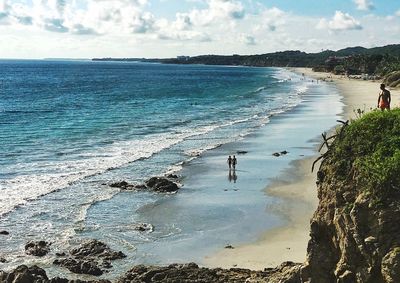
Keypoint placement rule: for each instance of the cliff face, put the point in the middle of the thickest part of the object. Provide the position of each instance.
(355, 231)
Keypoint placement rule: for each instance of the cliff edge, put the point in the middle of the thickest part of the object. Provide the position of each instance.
(355, 231)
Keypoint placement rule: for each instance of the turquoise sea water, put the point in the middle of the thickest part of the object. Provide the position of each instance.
(69, 128)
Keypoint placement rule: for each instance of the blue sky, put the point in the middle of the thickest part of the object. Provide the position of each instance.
(168, 28)
(168, 8)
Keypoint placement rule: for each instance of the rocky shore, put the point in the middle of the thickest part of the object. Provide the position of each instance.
(191, 272)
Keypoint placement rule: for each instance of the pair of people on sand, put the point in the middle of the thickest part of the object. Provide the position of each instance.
(232, 162)
(384, 98)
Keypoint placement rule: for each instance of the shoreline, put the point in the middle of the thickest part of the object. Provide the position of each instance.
(283, 243)
(293, 190)
(213, 211)
(298, 195)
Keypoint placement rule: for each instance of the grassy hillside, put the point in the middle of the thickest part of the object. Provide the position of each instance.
(370, 150)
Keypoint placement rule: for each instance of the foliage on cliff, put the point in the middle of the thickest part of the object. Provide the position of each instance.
(370, 152)
(355, 231)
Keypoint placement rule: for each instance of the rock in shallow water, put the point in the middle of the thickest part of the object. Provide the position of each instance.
(157, 184)
(34, 274)
(144, 227)
(4, 232)
(122, 185)
(37, 248)
(24, 274)
(79, 266)
(95, 248)
(87, 257)
(161, 185)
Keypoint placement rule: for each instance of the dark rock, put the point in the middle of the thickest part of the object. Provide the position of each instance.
(241, 152)
(119, 184)
(122, 185)
(276, 154)
(347, 277)
(172, 176)
(284, 152)
(60, 280)
(144, 227)
(24, 274)
(161, 185)
(95, 248)
(229, 247)
(61, 254)
(37, 248)
(140, 187)
(288, 273)
(3, 260)
(79, 266)
(4, 232)
(106, 264)
(34, 274)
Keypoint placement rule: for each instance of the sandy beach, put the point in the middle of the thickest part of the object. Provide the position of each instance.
(357, 94)
(297, 190)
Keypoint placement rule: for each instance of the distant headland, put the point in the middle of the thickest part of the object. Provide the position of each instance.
(377, 61)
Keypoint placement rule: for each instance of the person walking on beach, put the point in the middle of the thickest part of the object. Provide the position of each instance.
(229, 162)
(234, 162)
(384, 98)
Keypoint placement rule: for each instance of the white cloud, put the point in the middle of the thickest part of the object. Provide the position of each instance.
(364, 5)
(397, 13)
(340, 21)
(98, 16)
(128, 28)
(248, 39)
(271, 19)
(216, 11)
(182, 22)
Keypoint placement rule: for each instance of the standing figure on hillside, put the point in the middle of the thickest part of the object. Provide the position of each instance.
(384, 98)
(229, 162)
(234, 162)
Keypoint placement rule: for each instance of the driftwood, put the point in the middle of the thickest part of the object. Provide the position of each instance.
(326, 139)
(316, 160)
(345, 124)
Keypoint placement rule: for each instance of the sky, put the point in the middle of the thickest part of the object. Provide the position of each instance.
(35, 29)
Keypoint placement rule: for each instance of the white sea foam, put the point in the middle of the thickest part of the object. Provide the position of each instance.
(60, 174)
(17, 191)
(302, 89)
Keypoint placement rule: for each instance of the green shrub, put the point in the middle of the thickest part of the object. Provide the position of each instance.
(368, 153)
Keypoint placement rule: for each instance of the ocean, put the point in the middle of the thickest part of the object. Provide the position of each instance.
(68, 129)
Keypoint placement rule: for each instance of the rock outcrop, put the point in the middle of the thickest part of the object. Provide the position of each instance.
(161, 185)
(144, 227)
(23, 274)
(89, 258)
(355, 231)
(34, 274)
(37, 248)
(288, 272)
(156, 184)
(96, 249)
(80, 266)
